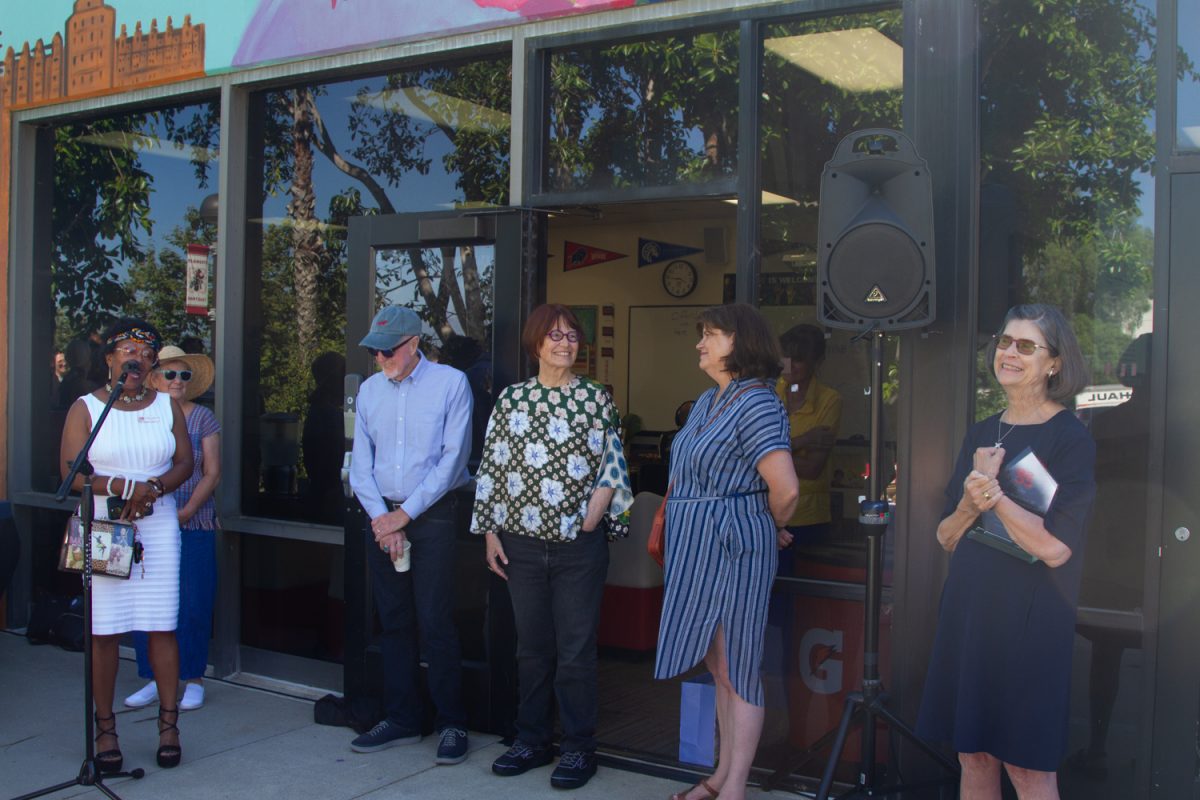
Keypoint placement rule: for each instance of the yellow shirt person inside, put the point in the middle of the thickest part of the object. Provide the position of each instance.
(814, 415)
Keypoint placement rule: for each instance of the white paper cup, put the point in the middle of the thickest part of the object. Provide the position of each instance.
(402, 560)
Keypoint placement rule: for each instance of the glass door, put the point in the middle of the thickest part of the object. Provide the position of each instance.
(461, 274)
(1175, 764)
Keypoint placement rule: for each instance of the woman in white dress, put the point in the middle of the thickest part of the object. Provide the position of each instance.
(142, 453)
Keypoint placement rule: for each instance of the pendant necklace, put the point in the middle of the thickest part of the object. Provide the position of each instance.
(126, 398)
(999, 436)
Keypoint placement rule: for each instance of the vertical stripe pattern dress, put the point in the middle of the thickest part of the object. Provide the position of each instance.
(720, 537)
(138, 444)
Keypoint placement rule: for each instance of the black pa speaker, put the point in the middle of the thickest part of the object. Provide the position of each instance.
(875, 234)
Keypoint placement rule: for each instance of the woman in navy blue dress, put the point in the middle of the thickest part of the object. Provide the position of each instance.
(998, 686)
(733, 489)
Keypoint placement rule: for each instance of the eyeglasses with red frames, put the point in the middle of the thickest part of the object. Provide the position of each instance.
(184, 375)
(571, 336)
(133, 351)
(1025, 347)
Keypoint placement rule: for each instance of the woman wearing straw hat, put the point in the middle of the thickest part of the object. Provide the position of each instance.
(185, 377)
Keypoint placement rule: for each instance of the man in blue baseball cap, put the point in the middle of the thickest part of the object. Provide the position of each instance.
(412, 437)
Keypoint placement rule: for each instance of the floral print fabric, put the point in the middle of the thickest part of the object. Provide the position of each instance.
(544, 452)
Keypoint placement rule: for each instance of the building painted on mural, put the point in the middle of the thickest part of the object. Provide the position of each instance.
(637, 161)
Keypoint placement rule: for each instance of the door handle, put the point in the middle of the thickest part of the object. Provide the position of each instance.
(1182, 534)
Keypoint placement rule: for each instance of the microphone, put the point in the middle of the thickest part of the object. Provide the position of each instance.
(127, 369)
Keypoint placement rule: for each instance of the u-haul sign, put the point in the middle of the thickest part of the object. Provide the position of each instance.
(1103, 396)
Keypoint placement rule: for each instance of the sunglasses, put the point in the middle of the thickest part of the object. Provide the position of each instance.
(557, 336)
(1025, 347)
(184, 375)
(388, 352)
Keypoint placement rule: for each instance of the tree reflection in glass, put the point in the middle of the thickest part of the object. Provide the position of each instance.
(654, 112)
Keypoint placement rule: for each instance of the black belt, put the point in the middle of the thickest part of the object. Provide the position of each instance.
(446, 499)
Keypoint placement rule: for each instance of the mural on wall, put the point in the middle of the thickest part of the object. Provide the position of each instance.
(92, 58)
(107, 47)
(283, 29)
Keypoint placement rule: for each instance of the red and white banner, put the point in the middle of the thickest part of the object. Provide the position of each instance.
(196, 299)
(578, 256)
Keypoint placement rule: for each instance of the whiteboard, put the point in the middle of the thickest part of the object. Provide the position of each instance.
(663, 369)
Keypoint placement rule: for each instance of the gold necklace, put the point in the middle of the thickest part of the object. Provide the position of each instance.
(126, 398)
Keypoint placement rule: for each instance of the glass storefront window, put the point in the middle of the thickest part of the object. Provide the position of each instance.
(458, 324)
(653, 112)
(424, 139)
(292, 598)
(1187, 109)
(127, 194)
(822, 79)
(1067, 218)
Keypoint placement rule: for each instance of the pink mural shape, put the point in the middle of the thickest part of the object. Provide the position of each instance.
(545, 8)
(284, 29)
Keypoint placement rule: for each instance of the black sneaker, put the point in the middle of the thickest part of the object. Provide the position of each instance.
(452, 749)
(521, 758)
(574, 769)
(384, 735)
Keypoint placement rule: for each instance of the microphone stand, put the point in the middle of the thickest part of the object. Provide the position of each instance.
(89, 772)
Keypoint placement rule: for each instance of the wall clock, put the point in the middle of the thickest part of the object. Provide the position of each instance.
(679, 278)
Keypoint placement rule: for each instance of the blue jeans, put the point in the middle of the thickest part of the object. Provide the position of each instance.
(416, 613)
(556, 588)
(197, 591)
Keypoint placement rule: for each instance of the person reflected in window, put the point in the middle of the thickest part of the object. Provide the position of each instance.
(814, 418)
(185, 377)
(733, 489)
(324, 439)
(552, 489)
(466, 354)
(76, 382)
(998, 684)
(1112, 565)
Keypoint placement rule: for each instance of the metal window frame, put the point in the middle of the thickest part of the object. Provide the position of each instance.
(927, 101)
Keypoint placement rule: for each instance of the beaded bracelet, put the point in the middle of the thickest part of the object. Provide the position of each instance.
(157, 485)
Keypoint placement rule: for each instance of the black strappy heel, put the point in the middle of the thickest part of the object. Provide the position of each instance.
(108, 761)
(169, 755)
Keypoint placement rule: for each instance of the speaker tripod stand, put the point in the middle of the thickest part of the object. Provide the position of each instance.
(867, 705)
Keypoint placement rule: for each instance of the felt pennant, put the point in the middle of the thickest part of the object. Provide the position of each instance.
(578, 256)
(651, 251)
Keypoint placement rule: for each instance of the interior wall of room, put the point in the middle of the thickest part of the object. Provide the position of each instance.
(651, 375)
(621, 284)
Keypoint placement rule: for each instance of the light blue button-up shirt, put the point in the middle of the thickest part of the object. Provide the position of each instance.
(412, 438)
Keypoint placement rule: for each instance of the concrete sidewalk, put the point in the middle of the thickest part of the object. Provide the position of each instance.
(244, 743)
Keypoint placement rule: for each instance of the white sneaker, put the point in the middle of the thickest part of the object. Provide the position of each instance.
(143, 696)
(193, 697)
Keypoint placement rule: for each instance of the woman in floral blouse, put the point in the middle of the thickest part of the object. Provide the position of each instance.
(553, 477)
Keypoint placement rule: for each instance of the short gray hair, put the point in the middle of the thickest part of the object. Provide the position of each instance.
(1072, 374)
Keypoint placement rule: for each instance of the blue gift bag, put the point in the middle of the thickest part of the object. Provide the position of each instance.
(698, 721)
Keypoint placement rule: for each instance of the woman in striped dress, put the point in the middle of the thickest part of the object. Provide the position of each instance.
(733, 489)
